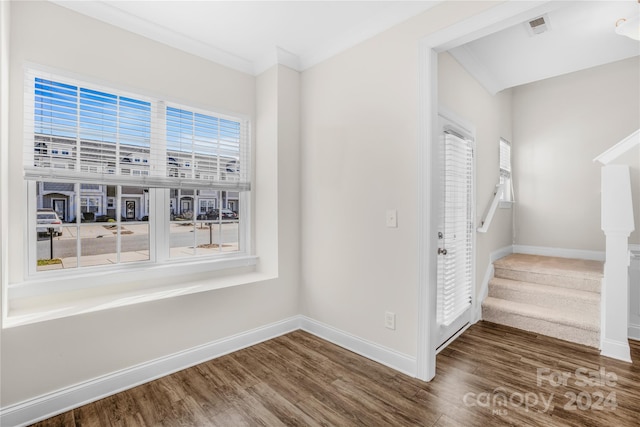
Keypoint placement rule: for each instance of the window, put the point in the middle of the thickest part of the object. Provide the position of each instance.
(505, 170)
(109, 161)
(90, 204)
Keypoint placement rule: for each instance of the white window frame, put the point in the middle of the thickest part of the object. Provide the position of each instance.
(160, 265)
(506, 167)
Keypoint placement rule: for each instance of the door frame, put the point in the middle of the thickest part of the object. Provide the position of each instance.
(494, 19)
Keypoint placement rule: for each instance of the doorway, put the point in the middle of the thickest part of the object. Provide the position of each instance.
(60, 207)
(130, 209)
(494, 19)
(456, 231)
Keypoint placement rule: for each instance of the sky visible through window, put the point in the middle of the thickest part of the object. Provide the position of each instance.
(64, 110)
(188, 132)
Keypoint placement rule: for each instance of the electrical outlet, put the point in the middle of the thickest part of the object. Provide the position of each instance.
(390, 320)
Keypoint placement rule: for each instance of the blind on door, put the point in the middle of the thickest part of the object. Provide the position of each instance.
(455, 265)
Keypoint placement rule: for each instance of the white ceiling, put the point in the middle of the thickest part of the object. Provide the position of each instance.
(581, 35)
(251, 36)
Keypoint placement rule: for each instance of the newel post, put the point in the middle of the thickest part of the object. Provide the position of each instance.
(617, 224)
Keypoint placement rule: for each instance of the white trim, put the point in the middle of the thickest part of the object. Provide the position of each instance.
(468, 60)
(111, 14)
(559, 252)
(619, 149)
(506, 15)
(500, 16)
(634, 332)
(65, 399)
(500, 253)
(484, 291)
(488, 275)
(376, 352)
(634, 292)
(427, 211)
(619, 350)
(453, 337)
(5, 21)
(35, 310)
(458, 124)
(59, 401)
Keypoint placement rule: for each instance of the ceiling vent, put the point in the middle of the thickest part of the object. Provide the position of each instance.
(538, 25)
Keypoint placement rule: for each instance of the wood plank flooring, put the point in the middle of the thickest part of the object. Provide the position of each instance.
(491, 375)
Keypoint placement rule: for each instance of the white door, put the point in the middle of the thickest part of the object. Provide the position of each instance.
(455, 234)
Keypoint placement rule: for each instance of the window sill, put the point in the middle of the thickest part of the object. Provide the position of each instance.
(34, 301)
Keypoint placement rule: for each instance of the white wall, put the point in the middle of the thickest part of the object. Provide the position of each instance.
(46, 356)
(321, 205)
(360, 158)
(460, 93)
(560, 125)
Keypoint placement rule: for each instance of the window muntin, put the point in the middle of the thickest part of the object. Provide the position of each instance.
(109, 153)
(99, 233)
(211, 231)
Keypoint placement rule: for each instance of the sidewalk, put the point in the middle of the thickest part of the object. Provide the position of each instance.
(107, 229)
(136, 256)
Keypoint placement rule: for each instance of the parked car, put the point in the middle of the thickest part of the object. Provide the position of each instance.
(48, 219)
(210, 215)
(214, 214)
(228, 214)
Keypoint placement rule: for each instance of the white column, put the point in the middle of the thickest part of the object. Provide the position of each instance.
(617, 224)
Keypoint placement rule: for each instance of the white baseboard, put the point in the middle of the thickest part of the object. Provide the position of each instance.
(616, 350)
(57, 402)
(559, 252)
(51, 404)
(500, 253)
(634, 332)
(484, 287)
(484, 291)
(386, 356)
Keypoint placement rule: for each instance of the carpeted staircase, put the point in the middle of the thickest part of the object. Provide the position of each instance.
(558, 297)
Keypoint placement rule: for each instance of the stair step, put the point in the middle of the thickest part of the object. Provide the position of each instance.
(558, 298)
(585, 275)
(545, 321)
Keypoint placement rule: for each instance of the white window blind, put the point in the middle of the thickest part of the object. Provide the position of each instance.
(77, 132)
(505, 170)
(455, 264)
(505, 158)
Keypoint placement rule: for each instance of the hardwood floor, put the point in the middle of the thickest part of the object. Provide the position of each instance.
(491, 375)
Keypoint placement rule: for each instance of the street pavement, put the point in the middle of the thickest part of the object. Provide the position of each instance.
(98, 243)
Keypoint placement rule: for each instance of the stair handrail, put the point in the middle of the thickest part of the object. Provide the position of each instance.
(486, 221)
(619, 149)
